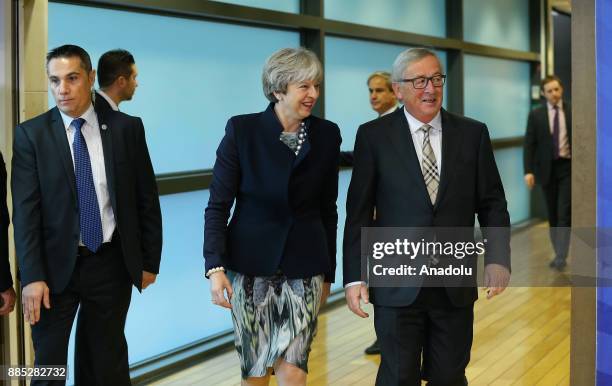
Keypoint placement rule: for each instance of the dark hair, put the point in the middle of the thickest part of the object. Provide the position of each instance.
(112, 65)
(549, 78)
(70, 51)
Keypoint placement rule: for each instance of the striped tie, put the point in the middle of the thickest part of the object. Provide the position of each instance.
(429, 166)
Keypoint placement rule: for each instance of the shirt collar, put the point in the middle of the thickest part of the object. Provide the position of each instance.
(111, 102)
(392, 109)
(89, 116)
(559, 104)
(415, 124)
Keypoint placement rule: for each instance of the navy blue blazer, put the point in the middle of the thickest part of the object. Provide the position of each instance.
(285, 215)
(387, 176)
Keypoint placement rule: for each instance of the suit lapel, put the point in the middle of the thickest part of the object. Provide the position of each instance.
(58, 131)
(107, 148)
(401, 140)
(451, 143)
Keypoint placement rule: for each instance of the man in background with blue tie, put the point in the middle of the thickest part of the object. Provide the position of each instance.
(87, 223)
(547, 161)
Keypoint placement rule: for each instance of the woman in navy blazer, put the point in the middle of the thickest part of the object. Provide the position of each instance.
(280, 167)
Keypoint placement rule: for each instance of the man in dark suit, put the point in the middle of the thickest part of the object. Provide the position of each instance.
(117, 74)
(7, 293)
(87, 223)
(547, 161)
(422, 166)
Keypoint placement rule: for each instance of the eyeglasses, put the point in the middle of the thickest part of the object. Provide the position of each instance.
(421, 81)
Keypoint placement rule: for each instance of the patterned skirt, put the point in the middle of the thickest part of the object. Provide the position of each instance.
(274, 318)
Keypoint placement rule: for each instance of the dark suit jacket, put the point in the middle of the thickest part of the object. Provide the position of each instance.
(101, 104)
(285, 214)
(387, 176)
(538, 151)
(6, 280)
(45, 204)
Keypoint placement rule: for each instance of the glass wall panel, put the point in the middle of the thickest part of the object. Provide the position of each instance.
(502, 23)
(510, 165)
(421, 17)
(193, 75)
(497, 92)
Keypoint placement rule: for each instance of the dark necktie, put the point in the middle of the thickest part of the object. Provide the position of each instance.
(556, 133)
(89, 210)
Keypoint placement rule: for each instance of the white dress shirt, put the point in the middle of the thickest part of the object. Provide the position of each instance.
(91, 133)
(111, 102)
(392, 109)
(435, 139)
(564, 148)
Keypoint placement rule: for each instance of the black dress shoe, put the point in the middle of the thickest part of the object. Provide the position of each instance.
(560, 266)
(374, 349)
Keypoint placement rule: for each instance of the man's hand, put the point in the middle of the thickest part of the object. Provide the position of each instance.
(530, 180)
(148, 278)
(325, 292)
(219, 286)
(496, 279)
(354, 294)
(8, 301)
(31, 296)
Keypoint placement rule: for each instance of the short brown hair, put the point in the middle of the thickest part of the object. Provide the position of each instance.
(549, 78)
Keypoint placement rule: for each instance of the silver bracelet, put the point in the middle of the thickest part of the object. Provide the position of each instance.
(213, 270)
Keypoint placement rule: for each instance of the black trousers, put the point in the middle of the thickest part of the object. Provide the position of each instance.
(101, 289)
(558, 194)
(431, 339)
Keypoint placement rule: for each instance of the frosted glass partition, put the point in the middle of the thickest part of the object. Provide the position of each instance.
(348, 64)
(502, 23)
(418, 16)
(496, 91)
(510, 165)
(291, 6)
(193, 74)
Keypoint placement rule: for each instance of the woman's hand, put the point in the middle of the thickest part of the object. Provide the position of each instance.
(218, 284)
(325, 292)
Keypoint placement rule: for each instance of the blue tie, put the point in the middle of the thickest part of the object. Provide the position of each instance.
(89, 210)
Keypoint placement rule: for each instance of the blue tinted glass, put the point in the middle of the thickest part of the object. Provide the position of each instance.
(510, 165)
(193, 75)
(292, 6)
(497, 92)
(422, 17)
(499, 23)
(346, 73)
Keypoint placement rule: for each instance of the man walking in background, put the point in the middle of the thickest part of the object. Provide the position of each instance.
(548, 162)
